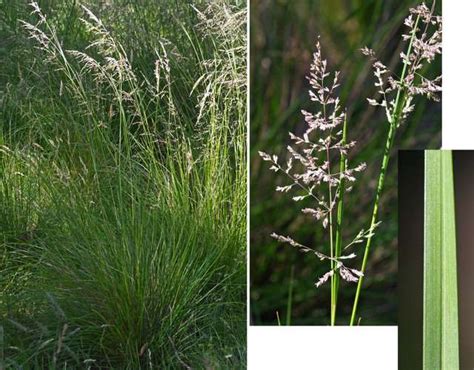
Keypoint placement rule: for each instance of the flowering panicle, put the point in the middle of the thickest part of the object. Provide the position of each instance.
(424, 38)
(310, 165)
(115, 64)
(345, 272)
(35, 32)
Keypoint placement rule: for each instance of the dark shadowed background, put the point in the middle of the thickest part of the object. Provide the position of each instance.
(283, 34)
(410, 253)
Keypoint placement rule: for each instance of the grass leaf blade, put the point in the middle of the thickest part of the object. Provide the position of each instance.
(440, 315)
(449, 294)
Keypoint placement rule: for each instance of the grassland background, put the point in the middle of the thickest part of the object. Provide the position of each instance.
(123, 194)
(283, 34)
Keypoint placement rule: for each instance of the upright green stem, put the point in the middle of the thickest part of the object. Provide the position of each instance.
(331, 240)
(383, 170)
(331, 244)
(394, 122)
(340, 211)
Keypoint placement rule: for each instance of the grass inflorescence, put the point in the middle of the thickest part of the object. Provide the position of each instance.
(318, 169)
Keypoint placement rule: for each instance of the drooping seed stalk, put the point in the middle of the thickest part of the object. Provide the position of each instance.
(394, 122)
(340, 210)
(440, 309)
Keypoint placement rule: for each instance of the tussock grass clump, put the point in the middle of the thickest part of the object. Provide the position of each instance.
(124, 186)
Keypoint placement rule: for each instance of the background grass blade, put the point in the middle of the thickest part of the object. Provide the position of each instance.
(290, 297)
(440, 316)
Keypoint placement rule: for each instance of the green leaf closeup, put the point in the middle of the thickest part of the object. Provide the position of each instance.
(440, 312)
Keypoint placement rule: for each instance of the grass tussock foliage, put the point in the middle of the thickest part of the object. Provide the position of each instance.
(122, 184)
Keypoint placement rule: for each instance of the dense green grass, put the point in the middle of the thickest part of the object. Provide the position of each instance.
(283, 35)
(123, 185)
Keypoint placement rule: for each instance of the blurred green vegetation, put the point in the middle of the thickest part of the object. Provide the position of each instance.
(283, 34)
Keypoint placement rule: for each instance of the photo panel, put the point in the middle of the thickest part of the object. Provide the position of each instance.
(335, 89)
(436, 299)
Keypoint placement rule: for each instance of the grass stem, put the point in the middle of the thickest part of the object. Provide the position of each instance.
(394, 122)
(340, 210)
(289, 302)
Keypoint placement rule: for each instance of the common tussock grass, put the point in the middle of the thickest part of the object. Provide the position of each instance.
(123, 185)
